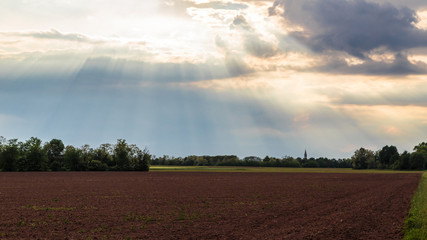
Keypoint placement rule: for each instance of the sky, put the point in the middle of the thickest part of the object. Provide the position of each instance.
(202, 77)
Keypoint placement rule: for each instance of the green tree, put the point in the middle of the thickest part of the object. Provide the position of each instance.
(288, 161)
(2, 147)
(361, 158)
(422, 147)
(144, 165)
(122, 153)
(201, 161)
(96, 165)
(417, 161)
(387, 156)
(311, 163)
(403, 161)
(104, 154)
(54, 150)
(345, 163)
(2, 143)
(140, 159)
(73, 159)
(9, 155)
(87, 156)
(35, 155)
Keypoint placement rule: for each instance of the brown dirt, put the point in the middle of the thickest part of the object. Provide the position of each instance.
(155, 205)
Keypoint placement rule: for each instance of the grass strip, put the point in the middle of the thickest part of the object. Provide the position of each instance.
(162, 168)
(416, 222)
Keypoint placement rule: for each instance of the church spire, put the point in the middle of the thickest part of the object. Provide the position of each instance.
(305, 154)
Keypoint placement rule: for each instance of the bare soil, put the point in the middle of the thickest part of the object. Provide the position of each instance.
(157, 205)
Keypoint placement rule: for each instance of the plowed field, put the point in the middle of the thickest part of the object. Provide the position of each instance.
(156, 205)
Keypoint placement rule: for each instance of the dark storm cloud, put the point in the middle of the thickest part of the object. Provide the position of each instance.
(252, 42)
(414, 4)
(355, 27)
(400, 66)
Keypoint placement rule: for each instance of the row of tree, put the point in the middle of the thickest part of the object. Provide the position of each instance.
(253, 161)
(389, 158)
(33, 155)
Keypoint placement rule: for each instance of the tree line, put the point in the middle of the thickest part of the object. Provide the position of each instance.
(252, 161)
(33, 155)
(389, 158)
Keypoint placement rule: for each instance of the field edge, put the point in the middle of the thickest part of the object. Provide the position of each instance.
(416, 222)
(163, 168)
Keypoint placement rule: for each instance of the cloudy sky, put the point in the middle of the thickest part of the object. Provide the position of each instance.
(186, 77)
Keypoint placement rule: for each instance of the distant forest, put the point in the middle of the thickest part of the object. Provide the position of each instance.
(33, 155)
(386, 158)
(252, 161)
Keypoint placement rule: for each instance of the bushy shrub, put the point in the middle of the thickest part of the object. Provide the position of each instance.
(417, 161)
(311, 164)
(96, 165)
